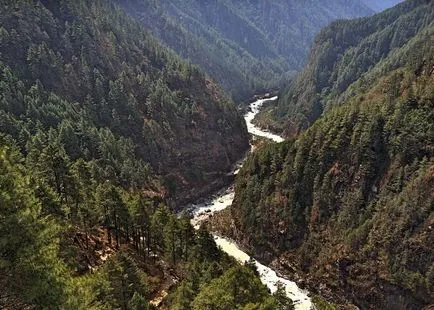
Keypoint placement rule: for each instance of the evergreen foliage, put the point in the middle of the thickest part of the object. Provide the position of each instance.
(248, 47)
(33, 273)
(351, 198)
(80, 80)
(30, 272)
(348, 57)
(100, 128)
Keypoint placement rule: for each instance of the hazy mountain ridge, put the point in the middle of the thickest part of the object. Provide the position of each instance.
(246, 46)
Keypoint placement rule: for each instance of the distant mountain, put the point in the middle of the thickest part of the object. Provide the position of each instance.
(380, 5)
(346, 206)
(343, 53)
(246, 46)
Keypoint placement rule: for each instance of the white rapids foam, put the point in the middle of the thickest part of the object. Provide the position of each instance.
(251, 128)
(224, 199)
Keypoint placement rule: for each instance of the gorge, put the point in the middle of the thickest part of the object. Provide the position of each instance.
(136, 172)
(202, 212)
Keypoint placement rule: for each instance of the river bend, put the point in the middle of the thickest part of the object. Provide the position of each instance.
(224, 199)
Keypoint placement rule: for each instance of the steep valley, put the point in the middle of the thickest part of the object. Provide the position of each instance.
(121, 101)
(135, 176)
(247, 47)
(347, 204)
(204, 213)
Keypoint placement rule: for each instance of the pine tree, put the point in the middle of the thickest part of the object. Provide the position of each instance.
(29, 266)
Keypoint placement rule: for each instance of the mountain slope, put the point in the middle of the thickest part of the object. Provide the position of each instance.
(348, 205)
(111, 93)
(45, 264)
(100, 126)
(246, 46)
(343, 53)
(291, 26)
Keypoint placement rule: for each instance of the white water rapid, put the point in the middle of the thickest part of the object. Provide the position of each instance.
(223, 199)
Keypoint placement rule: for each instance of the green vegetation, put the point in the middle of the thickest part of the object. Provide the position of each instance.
(356, 188)
(100, 128)
(103, 130)
(348, 57)
(238, 288)
(81, 80)
(246, 46)
(32, 274)
(28, 242)
(321, 304)
(350, 200)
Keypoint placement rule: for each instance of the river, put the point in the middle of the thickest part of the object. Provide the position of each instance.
(224, 198)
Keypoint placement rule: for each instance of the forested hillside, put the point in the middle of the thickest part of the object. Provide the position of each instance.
(84, 81)
(349, 204)
(246, 46)
(100, 128)
(347, 52)
(50, 257)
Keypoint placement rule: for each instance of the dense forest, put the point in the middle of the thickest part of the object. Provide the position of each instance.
(349, 202)
(346, 53)
(101, 130)
(111, 120)
(247, 46)
(40, 268)
(84, 81)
